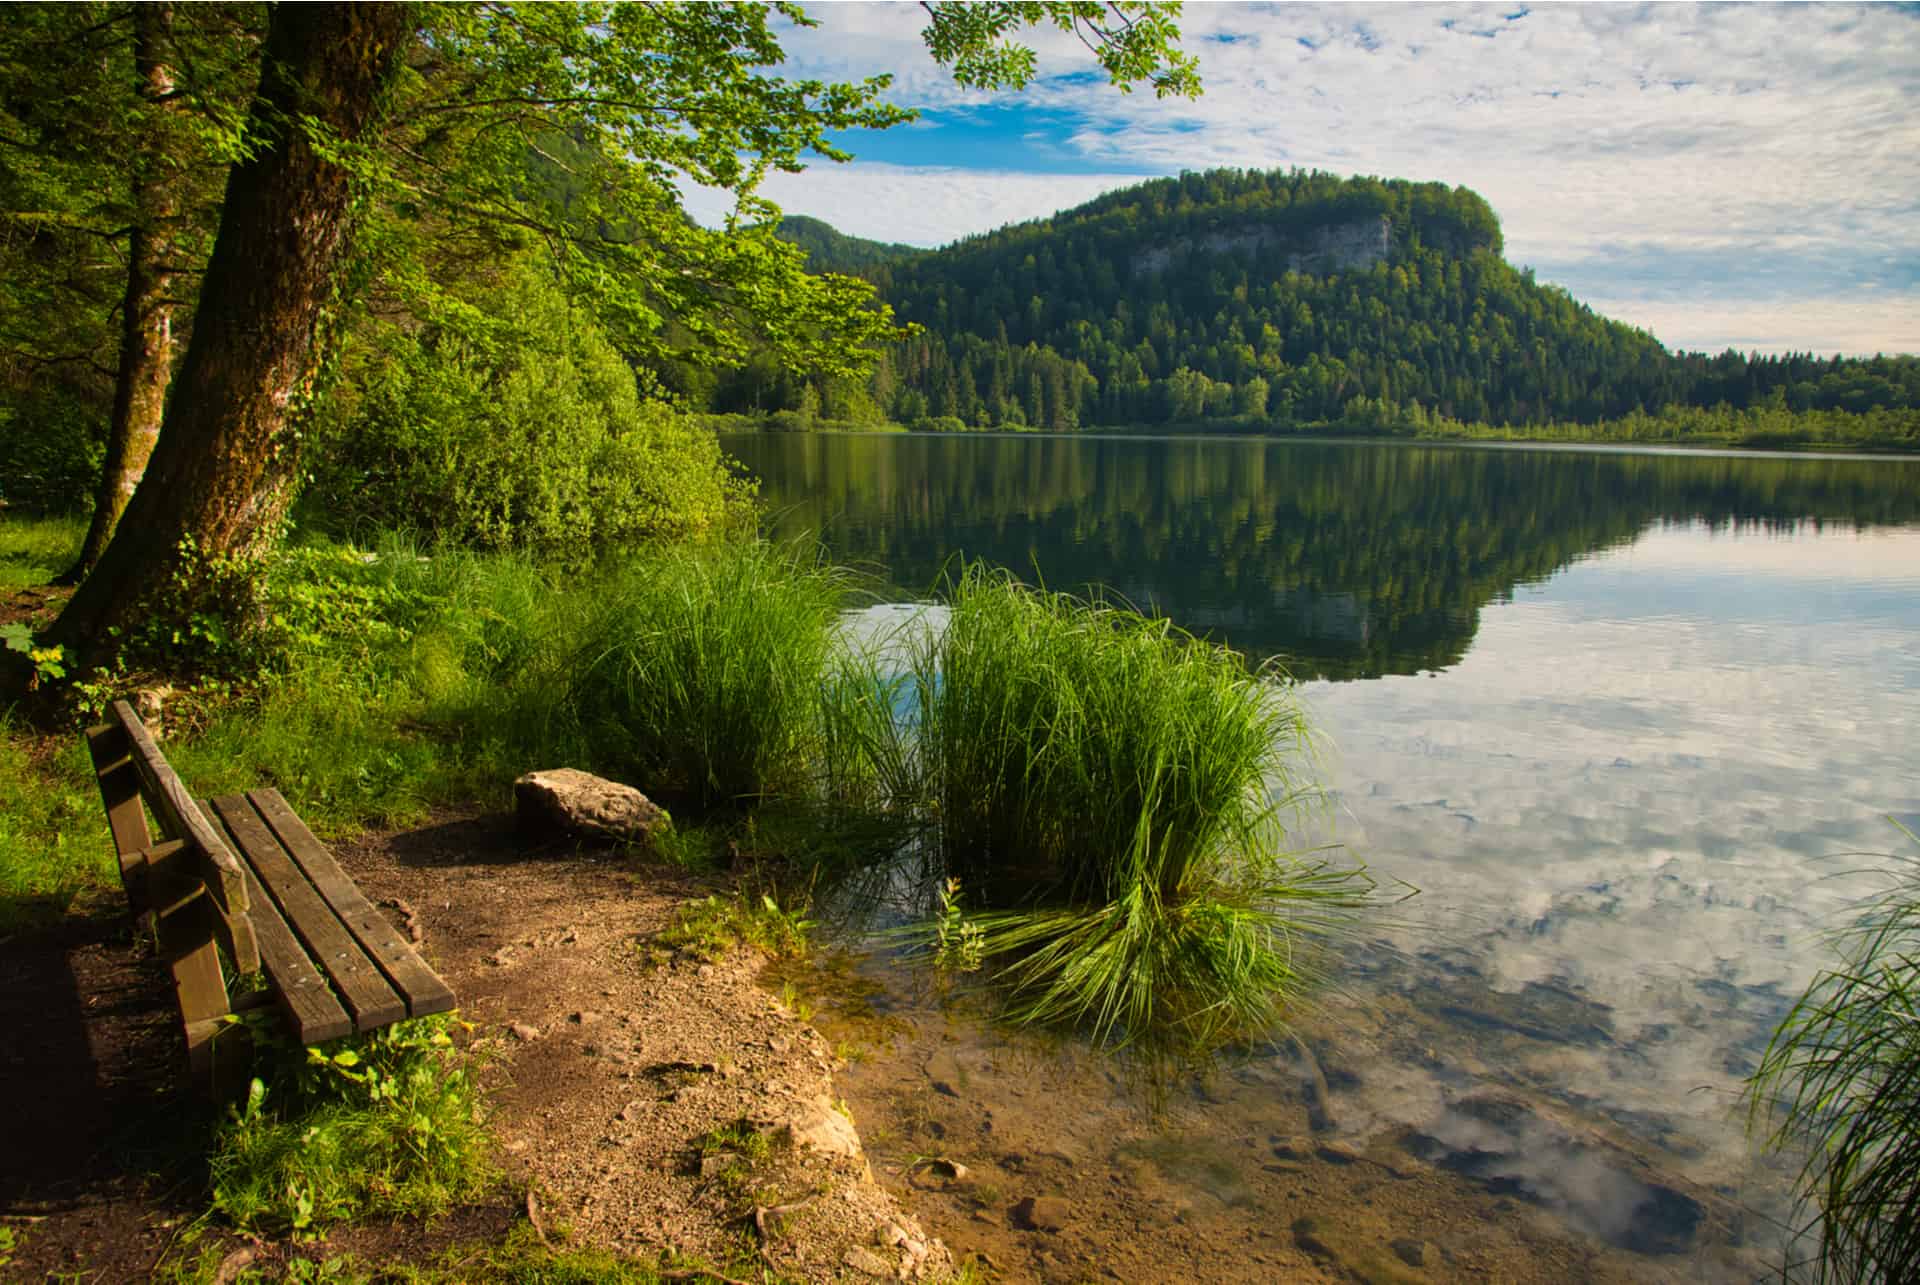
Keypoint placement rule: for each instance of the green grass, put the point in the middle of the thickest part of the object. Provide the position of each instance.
(386, 1123)
(699, 671)
(1113, 792)
(1841, 1079)
(33, 550)
(54, 843)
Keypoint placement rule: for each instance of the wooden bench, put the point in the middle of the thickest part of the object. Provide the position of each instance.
(244, 875)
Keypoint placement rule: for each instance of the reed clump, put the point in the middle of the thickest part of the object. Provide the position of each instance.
(1841, 1078)
(1114, 793)
(699, 669)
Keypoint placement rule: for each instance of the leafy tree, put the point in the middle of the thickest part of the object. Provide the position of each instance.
(416, 121)
(109, 115)
(516, 426)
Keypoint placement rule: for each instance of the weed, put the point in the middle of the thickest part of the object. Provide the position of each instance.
(708, 928)
(728, 1155)
(385, 1122)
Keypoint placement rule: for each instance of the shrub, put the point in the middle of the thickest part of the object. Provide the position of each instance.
(513, 425)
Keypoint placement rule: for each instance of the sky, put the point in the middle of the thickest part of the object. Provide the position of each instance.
(1742, 176)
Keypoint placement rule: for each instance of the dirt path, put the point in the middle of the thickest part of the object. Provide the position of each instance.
(606, 1073)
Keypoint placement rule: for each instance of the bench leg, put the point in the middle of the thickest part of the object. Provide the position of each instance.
(216, 1047)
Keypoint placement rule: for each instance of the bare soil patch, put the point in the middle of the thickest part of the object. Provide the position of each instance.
(609, 1073)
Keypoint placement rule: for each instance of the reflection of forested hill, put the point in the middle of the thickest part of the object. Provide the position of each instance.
(1348, 561)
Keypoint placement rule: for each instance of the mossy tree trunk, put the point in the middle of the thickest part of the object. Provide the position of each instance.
(224, 467)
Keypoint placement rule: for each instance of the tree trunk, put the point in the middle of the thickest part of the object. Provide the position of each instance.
(146, 316)
(226, 463)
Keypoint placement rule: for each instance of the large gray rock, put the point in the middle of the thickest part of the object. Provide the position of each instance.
(588, 806)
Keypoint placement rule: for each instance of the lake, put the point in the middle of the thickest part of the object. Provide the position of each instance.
(1624, 719)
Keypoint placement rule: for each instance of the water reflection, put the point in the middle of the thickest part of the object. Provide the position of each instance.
(1673, 695)
(1350, 560)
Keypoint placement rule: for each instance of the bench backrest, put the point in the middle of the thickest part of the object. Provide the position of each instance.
(190, 860)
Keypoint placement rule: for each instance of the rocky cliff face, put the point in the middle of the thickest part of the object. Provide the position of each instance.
(1334, 247)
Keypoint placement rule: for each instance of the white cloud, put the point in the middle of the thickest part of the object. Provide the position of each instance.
(1594, 130)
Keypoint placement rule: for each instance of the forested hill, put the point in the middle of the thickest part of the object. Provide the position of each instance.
(1275, 299)
(830, 250)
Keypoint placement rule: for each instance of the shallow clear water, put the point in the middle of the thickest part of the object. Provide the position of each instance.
(1621, 718)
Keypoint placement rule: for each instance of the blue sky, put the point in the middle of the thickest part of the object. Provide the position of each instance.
(1723, 175)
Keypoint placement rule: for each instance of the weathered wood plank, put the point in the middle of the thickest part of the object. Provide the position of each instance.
(126, 815)
(177, 872)
(174, 809)
(185, 934)
(422, 988)
(361, 985)
(312, 1011)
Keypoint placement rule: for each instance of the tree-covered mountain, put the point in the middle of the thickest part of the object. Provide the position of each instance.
(1282, 298)
(830, 250)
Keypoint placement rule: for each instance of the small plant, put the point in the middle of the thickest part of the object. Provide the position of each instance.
(386, 1122)
(729, 1154)
(958, 943)
(1841, 1077)
(708, 928)
(49, 663)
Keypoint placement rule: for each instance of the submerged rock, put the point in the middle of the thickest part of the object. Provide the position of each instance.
(587, 806)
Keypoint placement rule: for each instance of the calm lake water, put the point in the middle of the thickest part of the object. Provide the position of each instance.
(1624, 719)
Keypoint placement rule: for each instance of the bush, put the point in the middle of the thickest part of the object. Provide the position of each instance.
(525, 430)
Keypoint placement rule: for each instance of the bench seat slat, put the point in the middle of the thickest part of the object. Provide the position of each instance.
(362, 987)
(312, 1012)
(421, 987)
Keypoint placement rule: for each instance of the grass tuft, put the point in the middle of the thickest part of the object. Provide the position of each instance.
(699, 670)
(1113, 791)
(1841, 1077)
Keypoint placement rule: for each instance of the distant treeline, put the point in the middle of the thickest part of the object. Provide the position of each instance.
(1212, 300)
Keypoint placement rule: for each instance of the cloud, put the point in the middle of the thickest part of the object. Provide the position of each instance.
(1675, 130)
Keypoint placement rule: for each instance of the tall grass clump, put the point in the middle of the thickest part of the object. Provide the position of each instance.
(1114, 791)
(699, 670)
(1841, 1078)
